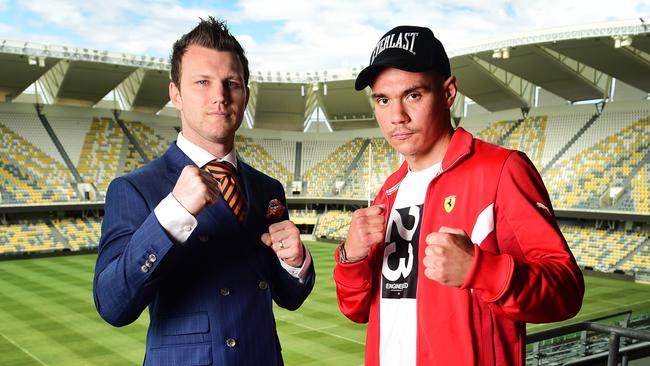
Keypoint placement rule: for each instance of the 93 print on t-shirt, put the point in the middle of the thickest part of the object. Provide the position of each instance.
(400, 267)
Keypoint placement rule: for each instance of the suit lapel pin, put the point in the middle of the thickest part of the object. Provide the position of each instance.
(275, 209)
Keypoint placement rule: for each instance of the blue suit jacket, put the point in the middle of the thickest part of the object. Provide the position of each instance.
(210, 299)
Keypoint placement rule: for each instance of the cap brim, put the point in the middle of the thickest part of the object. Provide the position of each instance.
(368, 75)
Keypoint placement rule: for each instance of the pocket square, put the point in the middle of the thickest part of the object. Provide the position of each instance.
(275, 209)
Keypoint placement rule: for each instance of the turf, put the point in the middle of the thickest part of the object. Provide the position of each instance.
(47, 316)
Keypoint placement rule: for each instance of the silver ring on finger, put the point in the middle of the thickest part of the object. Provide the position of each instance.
(281, 245)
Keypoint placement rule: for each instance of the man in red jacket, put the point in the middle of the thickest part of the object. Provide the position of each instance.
(460, 247)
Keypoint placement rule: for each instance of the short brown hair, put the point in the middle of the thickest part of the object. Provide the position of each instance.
(209, 33)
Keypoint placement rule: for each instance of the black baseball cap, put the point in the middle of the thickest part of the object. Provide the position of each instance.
(407, 48)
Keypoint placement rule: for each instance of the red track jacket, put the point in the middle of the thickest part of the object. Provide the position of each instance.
(523, 270)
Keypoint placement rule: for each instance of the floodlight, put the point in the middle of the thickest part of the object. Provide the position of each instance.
(626, 41)
(503, 53)
(32, 60)
(622, 41)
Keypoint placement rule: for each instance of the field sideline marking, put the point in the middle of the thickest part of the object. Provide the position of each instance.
(320, 330)
(24, 350)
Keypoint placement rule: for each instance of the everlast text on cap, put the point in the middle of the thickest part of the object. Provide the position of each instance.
(407, 48)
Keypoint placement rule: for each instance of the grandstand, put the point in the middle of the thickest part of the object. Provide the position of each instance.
(612, 149)
(62, 146)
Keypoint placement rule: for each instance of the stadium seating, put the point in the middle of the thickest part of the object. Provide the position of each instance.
(636, 197)
(257, 156)
(640, 261)
(28, 237)
(104, 148)
(333, 224)
(153, 144)
(45, 236)
(365, 181)
(303, 217)
(559, 131)
(28, 175)
(640, 195)
(79, 233)
(282, 152)
(313, 152)
(321, 178)
(614, 150)
(602, 250)
(579, 181)
(529, 136)
(496, 131)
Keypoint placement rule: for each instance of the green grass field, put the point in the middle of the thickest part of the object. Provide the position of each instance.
(47, 316)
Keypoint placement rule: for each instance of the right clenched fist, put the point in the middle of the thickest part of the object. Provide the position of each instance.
(196, 189)
(366, 229)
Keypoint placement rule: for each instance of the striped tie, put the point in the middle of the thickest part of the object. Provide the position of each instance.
(224, 173)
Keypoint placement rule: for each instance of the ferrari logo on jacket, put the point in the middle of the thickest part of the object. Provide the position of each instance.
(450, 201)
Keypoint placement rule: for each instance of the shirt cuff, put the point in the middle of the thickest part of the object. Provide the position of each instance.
(175, 219)
(298, 272)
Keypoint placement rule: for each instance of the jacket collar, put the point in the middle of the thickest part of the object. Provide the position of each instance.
(460, 146)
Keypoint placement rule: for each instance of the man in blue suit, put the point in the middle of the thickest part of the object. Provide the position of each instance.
(197, 235)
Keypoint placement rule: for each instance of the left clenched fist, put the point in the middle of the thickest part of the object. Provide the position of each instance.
(448, 256)
(284, 238)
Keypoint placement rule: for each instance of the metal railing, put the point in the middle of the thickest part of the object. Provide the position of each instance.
(614, 344)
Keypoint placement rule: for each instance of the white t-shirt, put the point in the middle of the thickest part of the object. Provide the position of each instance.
(398, 306)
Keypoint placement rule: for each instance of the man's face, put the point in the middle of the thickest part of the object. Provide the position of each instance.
(411, 109)
(212, 96)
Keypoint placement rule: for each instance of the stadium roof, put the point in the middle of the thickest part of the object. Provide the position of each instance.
(556, 66)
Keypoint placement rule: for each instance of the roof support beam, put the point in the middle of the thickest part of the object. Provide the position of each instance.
(311, 101)
(638, 54)
(253, 90)
(519, 87)
(590, 75)
(128, 89)
(52, 80)
(314, 95)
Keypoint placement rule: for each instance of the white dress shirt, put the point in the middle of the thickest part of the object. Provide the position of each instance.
(180, 224)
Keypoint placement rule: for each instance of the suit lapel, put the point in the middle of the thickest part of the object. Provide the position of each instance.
(220, 214)
(251, 192)
(176, 160)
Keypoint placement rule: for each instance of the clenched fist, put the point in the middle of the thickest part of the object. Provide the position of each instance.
(366, 229)
(196, 189)
(284, 238)
(448, 256)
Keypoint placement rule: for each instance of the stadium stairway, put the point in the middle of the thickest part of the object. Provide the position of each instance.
(506, 135)
(347, 176)
(297, 174)
(130, 137)
(623, 202)
(632, 253)
(594, 201)
(573, 139)
(57, 235)
(124, 151)
(57, 143)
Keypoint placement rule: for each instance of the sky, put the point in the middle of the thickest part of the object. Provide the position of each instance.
(300, 36)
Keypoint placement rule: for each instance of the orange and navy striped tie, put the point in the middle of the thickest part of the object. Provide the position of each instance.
(224, 173)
